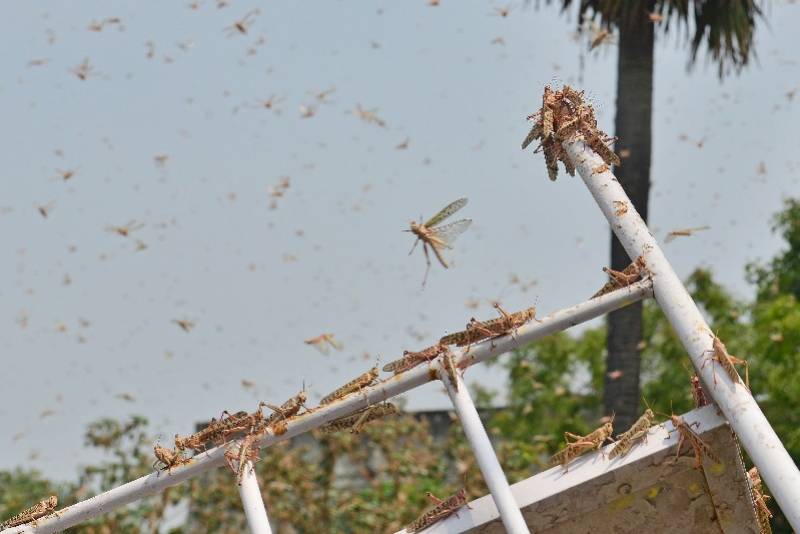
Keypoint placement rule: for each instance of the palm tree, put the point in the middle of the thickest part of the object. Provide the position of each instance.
(726, 28)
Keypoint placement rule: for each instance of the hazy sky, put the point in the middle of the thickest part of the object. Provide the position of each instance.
(87, 317)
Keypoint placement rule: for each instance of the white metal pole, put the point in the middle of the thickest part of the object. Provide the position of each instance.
(740, 408)
(253, 504)
(395, 385)
(490, 467)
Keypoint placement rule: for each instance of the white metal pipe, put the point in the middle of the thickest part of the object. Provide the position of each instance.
(253, 504)
(740, 408)
(490, 467)
(395, 385)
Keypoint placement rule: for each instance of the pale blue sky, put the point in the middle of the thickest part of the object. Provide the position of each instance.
(216, 251)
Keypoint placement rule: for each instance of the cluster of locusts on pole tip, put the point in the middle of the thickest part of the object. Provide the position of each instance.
(564, 116)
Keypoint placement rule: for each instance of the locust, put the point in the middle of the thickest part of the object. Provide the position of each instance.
(250, 423)
(442, 510)
(699, 446)
(480, 330)
(582, 444)
(728, 362)
(506, 323)
(41, 509)
(361, 381)
(287, 409)
(438, 237)
(760, 501)
(698, 395)
(685, 232)
(212, 433)
(449, 366)
(638, 430)
(242, 25)
(412, 359)
(358, 420)
(168, 458)
(323, 343)
(624, 278)
(247, 451)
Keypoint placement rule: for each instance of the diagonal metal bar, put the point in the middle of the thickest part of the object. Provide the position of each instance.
(254, 509)
(488, 463)
(740, 408)
(156, 482)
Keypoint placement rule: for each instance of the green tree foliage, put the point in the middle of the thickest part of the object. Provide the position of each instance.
(554, 385)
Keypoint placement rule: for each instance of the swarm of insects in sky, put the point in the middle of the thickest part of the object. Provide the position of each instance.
(564, 116)
(439, 237)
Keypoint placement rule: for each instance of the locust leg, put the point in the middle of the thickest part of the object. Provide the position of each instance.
(359, 424)
(439, 256)
(413, 247)
(475, 324)
(711, 359)
(433, 498)
(574, 437)
(427, 263)
(739, 361)
(503, 313)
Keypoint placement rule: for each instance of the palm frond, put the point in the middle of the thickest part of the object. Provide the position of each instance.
(725, 27)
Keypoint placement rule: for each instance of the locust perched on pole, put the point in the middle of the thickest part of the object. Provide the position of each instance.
(728, 362)
(168, 458)
(449, 366)
(698, 395)
(247, 451)
(361, 381)
(356, 422)
(582, 444)
(38, 510)
(442, 510)
(287, 409)
(212, 433)
(479, 330)
(638, 430)
(412, 359)
(760, 501)
(686, 433)
(624, 278)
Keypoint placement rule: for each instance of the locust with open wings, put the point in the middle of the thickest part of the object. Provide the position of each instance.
(439, 237)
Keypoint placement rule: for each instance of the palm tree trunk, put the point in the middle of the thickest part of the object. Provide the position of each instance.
(632, 126)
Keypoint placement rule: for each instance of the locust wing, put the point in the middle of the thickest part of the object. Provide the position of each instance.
(446, 212)
(448, 233)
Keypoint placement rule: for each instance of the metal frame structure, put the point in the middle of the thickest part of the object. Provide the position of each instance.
(737, 404)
